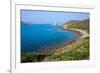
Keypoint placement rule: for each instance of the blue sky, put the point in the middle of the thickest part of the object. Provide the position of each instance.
(47, 17)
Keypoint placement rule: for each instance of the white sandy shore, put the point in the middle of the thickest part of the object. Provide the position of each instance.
(82, 32)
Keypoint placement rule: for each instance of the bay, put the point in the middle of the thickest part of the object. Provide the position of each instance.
(35, 37)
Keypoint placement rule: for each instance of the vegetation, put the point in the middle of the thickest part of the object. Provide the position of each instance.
(32, 57)
(79, 51)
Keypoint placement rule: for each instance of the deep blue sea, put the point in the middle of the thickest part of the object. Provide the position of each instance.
(35, 37)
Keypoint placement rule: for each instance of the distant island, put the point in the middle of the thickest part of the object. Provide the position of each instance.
(73, 50)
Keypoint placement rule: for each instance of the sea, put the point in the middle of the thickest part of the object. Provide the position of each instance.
(36, 37)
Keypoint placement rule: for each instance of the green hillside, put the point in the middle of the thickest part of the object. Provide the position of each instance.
(84, 24)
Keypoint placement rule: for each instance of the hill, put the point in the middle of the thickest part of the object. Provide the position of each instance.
(84, 24)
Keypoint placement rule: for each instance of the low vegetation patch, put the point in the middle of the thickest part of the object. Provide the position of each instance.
(79, 51)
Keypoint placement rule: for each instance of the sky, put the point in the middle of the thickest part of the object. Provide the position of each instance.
(47, 17)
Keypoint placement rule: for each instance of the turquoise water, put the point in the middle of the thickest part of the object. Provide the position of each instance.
(35, 37)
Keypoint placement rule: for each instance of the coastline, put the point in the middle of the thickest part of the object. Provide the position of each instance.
(67, 46)
(67, 50)
(73, 50)
(81, 32)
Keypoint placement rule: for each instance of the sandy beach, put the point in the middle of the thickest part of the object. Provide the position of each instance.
(82, 32)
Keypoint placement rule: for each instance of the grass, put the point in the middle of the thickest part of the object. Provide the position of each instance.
(79, 51)
(32, 57)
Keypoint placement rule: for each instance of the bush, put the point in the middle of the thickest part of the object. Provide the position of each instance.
(32, 57)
